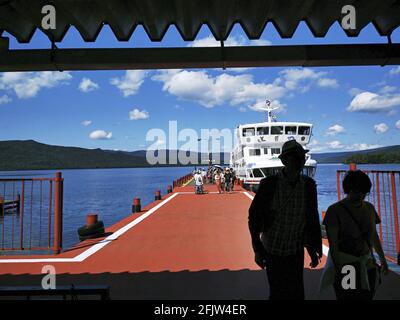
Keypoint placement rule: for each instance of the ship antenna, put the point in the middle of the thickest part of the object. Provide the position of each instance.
(270, 116)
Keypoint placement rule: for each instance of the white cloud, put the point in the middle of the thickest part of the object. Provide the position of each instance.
(5, 99)
(100, 135)
(28, 84)
(327, 83)
(381, 128)
(395, 71)
(387, 89)
(88, 85)
(242, 109)
(209, 91)
(372, 102)
(315, 146)
(301, 79)
(136, 114)
(335, 145)
(363, 146)
(398, 124)
(335, 129)
(130, 83)
(86, 123)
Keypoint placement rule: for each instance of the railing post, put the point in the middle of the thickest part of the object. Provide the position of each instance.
(396, 216)
(378, 193)
(58, 208)
(338, 184)
(21, 217)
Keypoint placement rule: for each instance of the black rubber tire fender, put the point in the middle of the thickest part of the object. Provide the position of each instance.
(92, 229)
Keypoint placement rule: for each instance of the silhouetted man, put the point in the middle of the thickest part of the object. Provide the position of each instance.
(283, 219)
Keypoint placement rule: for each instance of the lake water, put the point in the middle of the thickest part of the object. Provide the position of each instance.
(109, 192)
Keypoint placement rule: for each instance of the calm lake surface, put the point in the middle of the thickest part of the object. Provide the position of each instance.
(109, 192)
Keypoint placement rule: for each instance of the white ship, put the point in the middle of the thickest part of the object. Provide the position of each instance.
(255, 155)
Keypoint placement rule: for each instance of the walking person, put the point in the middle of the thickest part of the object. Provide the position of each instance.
(217, 178)
(233, 178)
(283, 219)
(351, 229)
(198, 180)
(223, 180)
(228, 180)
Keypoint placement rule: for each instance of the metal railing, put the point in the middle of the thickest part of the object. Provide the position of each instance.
(31, 214)
(384, 195)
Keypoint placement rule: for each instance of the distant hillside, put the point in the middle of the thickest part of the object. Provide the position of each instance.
(32, 155)
(380, 155)
(28, 155)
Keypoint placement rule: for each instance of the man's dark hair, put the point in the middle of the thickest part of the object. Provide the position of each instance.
(356, 181)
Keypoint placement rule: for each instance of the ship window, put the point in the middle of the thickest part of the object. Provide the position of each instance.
(276, 130)
(257, 173)
(248, 132)
(254, 152)
(262, 131)
(290, 130)
(265, 150)
(304, 130)
(275, 151)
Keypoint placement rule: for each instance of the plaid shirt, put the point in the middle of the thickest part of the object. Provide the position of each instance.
(286, 234)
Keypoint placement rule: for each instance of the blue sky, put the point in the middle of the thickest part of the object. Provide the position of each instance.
(352, 108)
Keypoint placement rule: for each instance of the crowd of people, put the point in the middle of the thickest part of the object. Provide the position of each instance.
(223, 178)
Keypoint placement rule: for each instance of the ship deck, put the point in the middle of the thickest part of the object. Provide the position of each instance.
(184, 246)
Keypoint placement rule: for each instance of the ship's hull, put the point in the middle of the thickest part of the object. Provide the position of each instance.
(252, 173)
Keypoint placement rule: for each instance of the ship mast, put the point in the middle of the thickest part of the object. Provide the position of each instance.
(269, 109)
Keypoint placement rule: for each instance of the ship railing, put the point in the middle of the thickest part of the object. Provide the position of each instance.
(182, 180)
(384, 195)
(31, 214)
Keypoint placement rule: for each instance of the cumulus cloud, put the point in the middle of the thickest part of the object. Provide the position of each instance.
(335, 129)
(327, 83)
(372, 102)
(28, 84)
(86, 123)
(398, 124)
(315, 146)
(395, 71)
(335, 145)
(381, 128)
(209, 91)
(88, 85)
(301, 79)
(130, 83)
(5, 99)
(136, 114)
(387, 89)
(100, 135)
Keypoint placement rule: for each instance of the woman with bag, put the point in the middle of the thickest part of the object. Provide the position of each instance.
(351, 228)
